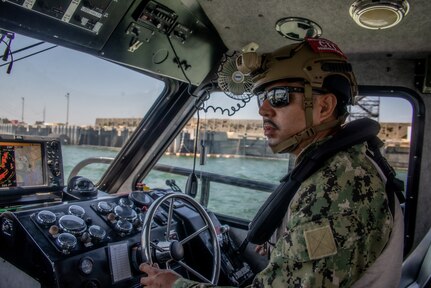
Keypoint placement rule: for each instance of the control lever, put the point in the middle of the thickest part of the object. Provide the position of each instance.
(171, 183)
(224, 232)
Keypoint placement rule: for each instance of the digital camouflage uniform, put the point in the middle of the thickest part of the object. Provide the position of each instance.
(338, 224)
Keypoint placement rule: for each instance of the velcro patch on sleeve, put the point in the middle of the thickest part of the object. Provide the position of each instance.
(320, 242)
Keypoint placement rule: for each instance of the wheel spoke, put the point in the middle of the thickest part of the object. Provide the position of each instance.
(168, 226)
(156, 247)
(191, 236)
(194, 272)
(161, 249)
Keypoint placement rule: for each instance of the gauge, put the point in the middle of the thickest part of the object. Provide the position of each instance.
(104, 207)
(123, 226)
(72, 224)
(140, 198)
(66, 241)
(97, 233)
(86, 265)
(46, 218)
(77, 211)
(125, 202)
(125, 212)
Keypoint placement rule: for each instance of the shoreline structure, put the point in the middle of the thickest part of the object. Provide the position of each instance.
(222, 138)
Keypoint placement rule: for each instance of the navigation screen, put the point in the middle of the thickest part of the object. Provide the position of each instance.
(21, 164)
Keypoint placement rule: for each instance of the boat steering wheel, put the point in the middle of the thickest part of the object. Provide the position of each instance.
(170, 250)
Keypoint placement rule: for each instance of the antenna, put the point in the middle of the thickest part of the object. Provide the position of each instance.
(67, 113)
(192, 181)
(22, 110)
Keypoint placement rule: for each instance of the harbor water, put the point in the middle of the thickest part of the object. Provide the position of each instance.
(227, 199)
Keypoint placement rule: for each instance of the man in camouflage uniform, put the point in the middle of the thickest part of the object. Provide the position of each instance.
(338, 230)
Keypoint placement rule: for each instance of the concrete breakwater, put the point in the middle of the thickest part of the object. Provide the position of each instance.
(216, 143)
(219, 138)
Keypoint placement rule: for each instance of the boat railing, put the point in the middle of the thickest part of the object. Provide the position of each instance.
(205, 177)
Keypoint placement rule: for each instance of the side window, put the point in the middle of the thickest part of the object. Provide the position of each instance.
(240, 171)
(394, 115)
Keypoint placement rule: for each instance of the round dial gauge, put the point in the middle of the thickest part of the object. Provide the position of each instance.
(141, 198)
(123, 226)
(66, 241)
(104, 207)
(46, 218)
(96, 232)
(86, 265)
(72, 224)
(125, 202)
(77, 211)
(125, 212)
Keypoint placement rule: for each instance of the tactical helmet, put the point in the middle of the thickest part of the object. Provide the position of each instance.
(314, 60)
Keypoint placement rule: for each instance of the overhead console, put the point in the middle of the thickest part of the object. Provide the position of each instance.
(168, 38)
(89, 15)
(82, 22)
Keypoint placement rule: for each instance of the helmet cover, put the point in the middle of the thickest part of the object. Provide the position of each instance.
(313, 60)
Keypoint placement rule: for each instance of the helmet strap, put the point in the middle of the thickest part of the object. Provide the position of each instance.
(308, 105)
(310, 131)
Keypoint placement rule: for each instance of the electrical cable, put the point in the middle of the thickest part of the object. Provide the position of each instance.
(180, 65)
(215, 109)
(6, 54)
(38, 52)
(28, 47)
(192, 181)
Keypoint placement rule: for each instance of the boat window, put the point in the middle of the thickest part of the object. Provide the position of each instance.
(240, 171)
(93, 105)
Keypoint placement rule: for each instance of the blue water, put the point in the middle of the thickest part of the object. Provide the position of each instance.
(223, 198)
(226, 199)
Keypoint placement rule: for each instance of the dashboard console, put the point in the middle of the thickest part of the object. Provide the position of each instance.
(96, 243)
(88, 238)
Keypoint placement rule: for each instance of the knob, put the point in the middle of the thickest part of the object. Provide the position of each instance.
(53, 230)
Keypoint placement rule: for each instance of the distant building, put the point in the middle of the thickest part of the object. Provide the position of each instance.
(391, 133)
(118, 122)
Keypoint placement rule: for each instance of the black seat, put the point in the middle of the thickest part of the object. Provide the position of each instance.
(417, 267)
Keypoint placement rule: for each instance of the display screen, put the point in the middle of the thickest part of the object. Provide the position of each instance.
(21, 164)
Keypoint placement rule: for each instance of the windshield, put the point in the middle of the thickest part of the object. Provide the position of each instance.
(91, 104)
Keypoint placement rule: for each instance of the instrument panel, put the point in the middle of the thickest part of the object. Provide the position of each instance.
(92, 238)
(97, 242)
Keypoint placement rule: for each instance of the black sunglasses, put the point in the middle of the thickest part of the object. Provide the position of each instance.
(280, 96)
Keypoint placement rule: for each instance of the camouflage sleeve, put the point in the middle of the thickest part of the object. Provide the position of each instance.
(339, 224)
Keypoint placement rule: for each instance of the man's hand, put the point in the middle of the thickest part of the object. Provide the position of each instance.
(157, 277)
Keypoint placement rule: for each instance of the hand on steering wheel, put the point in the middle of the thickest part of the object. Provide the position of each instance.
(171, 250)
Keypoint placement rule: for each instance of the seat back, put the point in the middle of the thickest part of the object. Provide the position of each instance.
(416, 271)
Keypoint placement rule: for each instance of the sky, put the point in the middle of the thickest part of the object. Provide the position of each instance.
(100, 89)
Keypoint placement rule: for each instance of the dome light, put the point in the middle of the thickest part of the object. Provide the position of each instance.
(372, 14)
(297, 28)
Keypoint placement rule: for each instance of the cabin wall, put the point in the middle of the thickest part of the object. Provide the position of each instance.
(423, 220)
